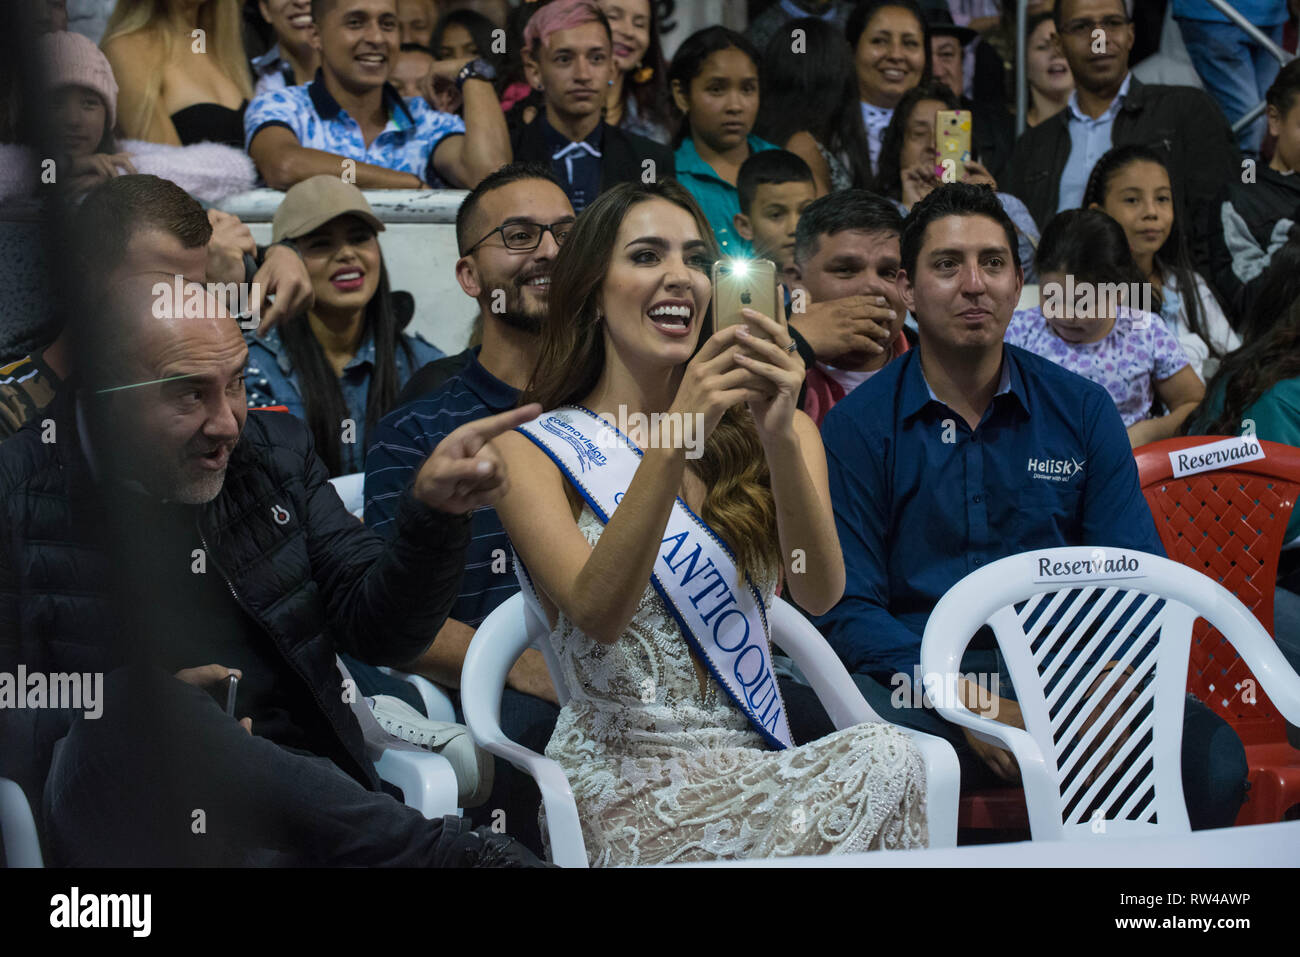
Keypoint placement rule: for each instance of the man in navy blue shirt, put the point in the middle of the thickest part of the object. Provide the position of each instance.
(964, 451)
(508, 231)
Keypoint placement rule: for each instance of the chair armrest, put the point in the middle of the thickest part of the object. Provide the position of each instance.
(567, 846)
(22, 843)
(821, 666)
(846, 707)
(437, 703)
(427, 780)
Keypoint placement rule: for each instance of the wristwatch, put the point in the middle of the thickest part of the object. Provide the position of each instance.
(476, 69)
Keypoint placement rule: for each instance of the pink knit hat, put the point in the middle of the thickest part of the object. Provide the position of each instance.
(69, 59)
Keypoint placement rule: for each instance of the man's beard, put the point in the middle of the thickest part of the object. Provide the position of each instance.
(516, 314)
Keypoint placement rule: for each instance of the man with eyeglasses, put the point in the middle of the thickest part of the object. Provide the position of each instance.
(508, 230)
(1050, 166)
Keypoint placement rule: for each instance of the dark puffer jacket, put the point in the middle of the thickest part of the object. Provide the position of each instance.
(303, 568)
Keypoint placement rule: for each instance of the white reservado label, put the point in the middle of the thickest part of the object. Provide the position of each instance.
(1215, 455)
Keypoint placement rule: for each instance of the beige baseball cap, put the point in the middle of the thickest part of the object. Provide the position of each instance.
(314, 202)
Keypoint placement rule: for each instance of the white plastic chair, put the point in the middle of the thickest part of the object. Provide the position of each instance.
(351, 490)
(514, 626)
(1041, 607)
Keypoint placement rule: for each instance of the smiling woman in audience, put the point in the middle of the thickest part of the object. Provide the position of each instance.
(1048, 72)
(340, 364)
(181, 68)
(666, 762)
(637, 99)
(891, 44)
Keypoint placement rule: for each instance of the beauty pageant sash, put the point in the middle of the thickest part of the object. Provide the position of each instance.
(695, 572)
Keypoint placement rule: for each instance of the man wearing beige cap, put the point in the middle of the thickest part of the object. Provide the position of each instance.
(340, 364)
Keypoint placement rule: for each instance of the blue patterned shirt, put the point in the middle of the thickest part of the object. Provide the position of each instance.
(311, 113)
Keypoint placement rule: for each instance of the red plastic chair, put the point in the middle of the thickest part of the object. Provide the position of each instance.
(1230, 524)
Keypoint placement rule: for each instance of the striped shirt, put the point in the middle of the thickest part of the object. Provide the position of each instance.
(402, 441)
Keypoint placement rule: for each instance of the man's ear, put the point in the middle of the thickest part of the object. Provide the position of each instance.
(314, 39)
(468, 277)
(905, 291)
(743, 229)
(1274, 120)
(679, 97)
(531, 72)
(264, 10)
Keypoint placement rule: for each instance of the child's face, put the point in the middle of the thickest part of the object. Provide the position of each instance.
(1286, 127)
(773, 216)
(1085, 325)
(410, 69)
(722, 100)
(1141, 200)
(79, 118)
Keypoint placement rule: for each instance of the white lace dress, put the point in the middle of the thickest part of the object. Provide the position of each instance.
(662, 773)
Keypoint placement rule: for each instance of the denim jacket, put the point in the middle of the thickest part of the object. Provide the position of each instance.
(269, 379)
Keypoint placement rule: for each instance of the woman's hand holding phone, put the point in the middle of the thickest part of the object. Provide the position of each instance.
(767, 354)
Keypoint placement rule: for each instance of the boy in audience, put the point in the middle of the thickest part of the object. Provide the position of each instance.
(568, 55)
(847, 245)
(774, 187)
(1049, 167)
(349, 121)
(1257, 215)
(929, 482)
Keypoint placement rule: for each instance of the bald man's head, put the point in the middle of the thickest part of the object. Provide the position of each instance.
(170, 399)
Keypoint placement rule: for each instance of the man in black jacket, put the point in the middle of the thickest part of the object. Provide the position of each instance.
(1051, 163)
(156, 532)
(568, 53)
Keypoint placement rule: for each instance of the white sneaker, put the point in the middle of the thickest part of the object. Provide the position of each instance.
(474, 767)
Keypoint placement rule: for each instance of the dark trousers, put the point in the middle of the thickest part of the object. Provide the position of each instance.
(166, 778)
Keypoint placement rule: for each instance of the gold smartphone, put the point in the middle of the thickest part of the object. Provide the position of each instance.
(743, 284)
(952, 144)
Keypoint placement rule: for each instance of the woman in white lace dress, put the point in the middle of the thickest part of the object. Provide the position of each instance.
(664, 766)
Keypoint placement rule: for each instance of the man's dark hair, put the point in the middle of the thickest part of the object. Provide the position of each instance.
(114, 211)
(1058, 12)
(510, 173)
(771, 167)
(1281, 95)
(95, 244)
(836, 212)
(952, 199)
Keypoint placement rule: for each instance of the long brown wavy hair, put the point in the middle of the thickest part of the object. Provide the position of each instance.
(1245, 375)
(738, 503)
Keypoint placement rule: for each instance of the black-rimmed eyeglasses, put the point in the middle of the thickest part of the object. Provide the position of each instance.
(524, 236)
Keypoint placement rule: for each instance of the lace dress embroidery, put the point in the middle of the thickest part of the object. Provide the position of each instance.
(662, 773)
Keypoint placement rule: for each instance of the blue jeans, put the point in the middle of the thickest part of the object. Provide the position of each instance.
(1236, 70)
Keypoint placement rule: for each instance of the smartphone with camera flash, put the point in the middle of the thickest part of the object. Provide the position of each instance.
(952, 144)
(743, 284)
